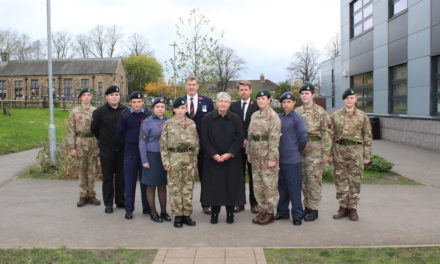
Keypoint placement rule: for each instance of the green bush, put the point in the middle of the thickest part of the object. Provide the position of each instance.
(379, 164)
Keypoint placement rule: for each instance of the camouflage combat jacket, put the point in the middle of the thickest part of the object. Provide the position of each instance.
(78, 126)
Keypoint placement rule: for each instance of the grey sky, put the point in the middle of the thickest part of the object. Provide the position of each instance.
(265, 33)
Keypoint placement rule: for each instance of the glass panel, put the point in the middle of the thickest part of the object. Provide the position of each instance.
(357, 30)
(438, 105)
(368, 79)
(400, 89)
(438, 64)
(358, 80)
(399, 105)
(438, 86)
(357, 5)
(368, 92)
(368, 23)
(367, 1)
(399, 72)
(368, 10)
(368, 106)
(399, 5)
(357, 17)
(360, 105)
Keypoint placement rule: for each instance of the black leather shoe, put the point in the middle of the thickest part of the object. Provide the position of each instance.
(305, 213)
(108, 210)
(214, 218)
(281, 217)
(165, 216)
(156, 218)
(178, 222)
(120, 206)
(146, 211)
(128, 216)
(296, 222)
(229, 218)
(206, 210)
(311, 216)
(188, 221)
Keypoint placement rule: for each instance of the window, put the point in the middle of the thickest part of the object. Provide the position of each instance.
(397, 6)
(363, 85)
(435, 98)
(361, 16)
(68, 87)
(100, 88)
(53, 87)
(2, 90)
(18, 85)
(84, 83)
(35, 89)
(398, 89)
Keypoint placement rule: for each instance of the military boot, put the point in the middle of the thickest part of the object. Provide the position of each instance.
(342, 212)
(305, 213)
(230, 218)
(82, 201)
(94, 201)
(214, 218)
(258, 217)
(178, 222)
(352, 214)
(311, 216)
(267, 219)
(188, 221)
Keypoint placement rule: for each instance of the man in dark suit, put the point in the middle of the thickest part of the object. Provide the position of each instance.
(245, 107)
(198, 107)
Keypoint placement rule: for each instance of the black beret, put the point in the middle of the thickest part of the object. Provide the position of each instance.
(263, 92)
(287, 95)
(348, 92)
(179, 101)
(136, 95)
(158, 100)
(83, 90)
(112, 89)
(307, 87)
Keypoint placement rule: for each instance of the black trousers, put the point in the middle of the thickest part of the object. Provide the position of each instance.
(252, 199)
(200, 169)
(216, 209)
(112, 165)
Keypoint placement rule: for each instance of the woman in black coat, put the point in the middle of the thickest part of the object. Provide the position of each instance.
(222, 140)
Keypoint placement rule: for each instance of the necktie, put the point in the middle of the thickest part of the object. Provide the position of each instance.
(243, 107)
(191, 109)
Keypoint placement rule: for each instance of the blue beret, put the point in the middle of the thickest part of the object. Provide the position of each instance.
(136, 95)
(179, 101)
(307, 87)
(158, 100)
(287, 95)
(112, 89)
(348, 92)
(263, 92)
(83, 90)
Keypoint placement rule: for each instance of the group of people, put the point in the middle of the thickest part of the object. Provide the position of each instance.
(283, 154)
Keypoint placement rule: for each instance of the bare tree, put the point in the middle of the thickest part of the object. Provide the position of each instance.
(23, 49)
(8, 41)
(62, 44)
(112, 37)
(137, 44)
(83, 46)
(227, 66)
(97, 39)
(334, 46)
(305, 64)
(39, 49)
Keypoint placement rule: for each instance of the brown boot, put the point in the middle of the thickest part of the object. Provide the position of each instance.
(342, 212)
(94, 201)
(82, 201)
(257, 218)
(352, 214)
(267, 219)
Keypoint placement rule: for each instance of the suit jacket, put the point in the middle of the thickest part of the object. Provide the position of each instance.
(252, 108)
(204, 102)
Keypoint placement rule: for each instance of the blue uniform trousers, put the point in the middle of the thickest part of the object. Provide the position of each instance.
(133, 173)
(289, 188)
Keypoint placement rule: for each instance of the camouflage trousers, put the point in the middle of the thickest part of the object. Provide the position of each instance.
(265, 182)
(86, 158)
(349, 169)
(312, 169)
(180, 186)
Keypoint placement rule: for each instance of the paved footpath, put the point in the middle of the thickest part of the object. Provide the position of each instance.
(42, 213)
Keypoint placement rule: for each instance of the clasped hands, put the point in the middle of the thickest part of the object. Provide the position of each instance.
(222, 158)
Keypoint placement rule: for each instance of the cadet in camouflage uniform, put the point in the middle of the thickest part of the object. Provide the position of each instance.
(317, 151)
(84, 146)
(262, 150)
(351, 150)
(179, 145)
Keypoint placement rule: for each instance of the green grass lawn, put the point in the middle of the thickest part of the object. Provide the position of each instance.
(28, 128)
(64, 255)
(354, 255)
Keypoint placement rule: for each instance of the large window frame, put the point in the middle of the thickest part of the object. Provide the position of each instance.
(35, 88)
(435, 87)
(397, 7)
(18, 89)
(363, 85)
(3, 89)
(68, 87)
(398, 89)
(361, 17)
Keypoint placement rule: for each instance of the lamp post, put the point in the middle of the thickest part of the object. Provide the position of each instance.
(174, 67)
(52, 130)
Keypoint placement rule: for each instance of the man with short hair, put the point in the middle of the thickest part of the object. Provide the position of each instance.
(198, 106)
(244, 108)
(351, 150)
(111, 151)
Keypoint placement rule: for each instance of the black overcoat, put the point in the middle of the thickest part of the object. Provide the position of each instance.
(223, 182)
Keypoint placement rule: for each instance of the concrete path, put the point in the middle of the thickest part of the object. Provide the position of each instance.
(12, 164)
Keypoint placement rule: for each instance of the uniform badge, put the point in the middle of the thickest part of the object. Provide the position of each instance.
(80, 117)
(185, 126)
(351, 116)
(159, 125)
(205, 108)
(183, 102)
(288, 96)
(252, 102)
(261, 93)
(201, 98)
(142, 120)
(139, 95)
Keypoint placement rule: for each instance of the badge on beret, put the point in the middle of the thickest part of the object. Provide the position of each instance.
(288, 96)
(262, 93)
(161, 100)
(117, 89)
(139, 95)
(183, 102)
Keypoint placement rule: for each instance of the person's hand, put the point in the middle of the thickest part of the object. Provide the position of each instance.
(226, 156)
(146, 165)
(245, 142)
(330, 159)
(366, 161)
(73, 152)
(271, 164)
(217, 158)
(167, 168)
(249, 158)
